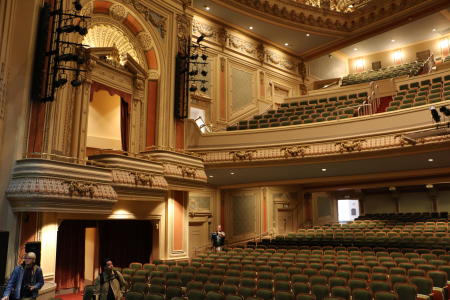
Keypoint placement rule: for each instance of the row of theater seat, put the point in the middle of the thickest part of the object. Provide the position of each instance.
(384, 73)
(286, 275)
(406, 217)
(346, 106)
(425, 92)
(304, 112)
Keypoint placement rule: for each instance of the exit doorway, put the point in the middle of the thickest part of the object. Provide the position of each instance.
(348, 210)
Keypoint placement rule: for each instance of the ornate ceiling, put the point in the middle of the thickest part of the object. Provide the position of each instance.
(317, 27)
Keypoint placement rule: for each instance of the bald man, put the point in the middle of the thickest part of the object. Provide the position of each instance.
(25, 281)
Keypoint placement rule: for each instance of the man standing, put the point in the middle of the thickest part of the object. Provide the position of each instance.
(110, 283)
(218, 238)
(25, 281)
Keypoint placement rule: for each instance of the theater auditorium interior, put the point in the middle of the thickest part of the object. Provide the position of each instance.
(315, 132)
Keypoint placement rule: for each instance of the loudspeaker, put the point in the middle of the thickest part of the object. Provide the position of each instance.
(4, 237)
(36, 248)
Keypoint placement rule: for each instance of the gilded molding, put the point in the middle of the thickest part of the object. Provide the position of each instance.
(350, 146)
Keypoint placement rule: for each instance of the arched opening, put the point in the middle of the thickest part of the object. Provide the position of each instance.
(108, 120)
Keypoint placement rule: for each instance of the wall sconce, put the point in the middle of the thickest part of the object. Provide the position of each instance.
(397, 57)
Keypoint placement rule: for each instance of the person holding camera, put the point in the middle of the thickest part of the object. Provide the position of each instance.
(110, 283)
(25, 281)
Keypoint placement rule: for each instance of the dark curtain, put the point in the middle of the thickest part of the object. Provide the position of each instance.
(124, 123)
(70, 254)
(125, 241)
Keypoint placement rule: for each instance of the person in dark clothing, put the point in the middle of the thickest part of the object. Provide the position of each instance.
(218, 238)
(25, 281)
(110, 283)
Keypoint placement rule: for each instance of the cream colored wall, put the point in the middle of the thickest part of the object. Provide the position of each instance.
(104, 121)
(17, 39)
(324, 202)
(328, 66)
(409, 54)
(89, 255)
(274, 73)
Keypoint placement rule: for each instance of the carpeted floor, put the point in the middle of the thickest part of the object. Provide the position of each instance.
(78, 296)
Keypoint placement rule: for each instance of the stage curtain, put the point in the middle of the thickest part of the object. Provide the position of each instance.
(125, 241)
(124, 123)
(70, 255)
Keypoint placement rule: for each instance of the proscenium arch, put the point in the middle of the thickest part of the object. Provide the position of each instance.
(149, 39)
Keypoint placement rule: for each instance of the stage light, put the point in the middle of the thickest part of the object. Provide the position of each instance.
(82, 30)
(204, 56)
(193, 73)
(445, 111)
(203, 89)
(194, 56)
(77, 5)
(60, 82)
(200, 38)
(435, 114)
(75, 82)
(193, 88)
(66, 29)
(204, 73)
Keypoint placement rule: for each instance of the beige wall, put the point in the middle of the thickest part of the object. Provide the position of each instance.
(15, 81)
(104, 121)
(328, 66)
(408, 54)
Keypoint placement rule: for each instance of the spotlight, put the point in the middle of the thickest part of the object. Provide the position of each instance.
(445, 111)
(193, 88)
(60, 82)
(204, 56)
(435, 114)
(193, 73)
(77, 5)
(75, 82)
(194, 56)
(66, 29)
(82, 31)
(204, 73)
(203, 89)
(200, 38)
(68, 57)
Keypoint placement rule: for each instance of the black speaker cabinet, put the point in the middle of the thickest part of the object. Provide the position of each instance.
(36, 248)
(4, 237)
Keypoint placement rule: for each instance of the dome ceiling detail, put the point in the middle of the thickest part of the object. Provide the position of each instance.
(102, 35)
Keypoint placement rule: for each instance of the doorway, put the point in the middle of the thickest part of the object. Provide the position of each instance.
(285, 221)
(197, 237)
(348, 210)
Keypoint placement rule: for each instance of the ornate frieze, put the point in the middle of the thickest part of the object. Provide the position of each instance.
(150, 15)
(332, 148)
(46, 185)
(139, 179)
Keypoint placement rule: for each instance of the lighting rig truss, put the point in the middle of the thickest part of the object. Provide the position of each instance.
(65, 56)
(196, 63)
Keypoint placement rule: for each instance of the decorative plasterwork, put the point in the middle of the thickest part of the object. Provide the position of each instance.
(226, 38)
(332, 148)
(107, 35)
(45, 185)
(295, 12)
(118, 12)
(149, 15)
(179, 169)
